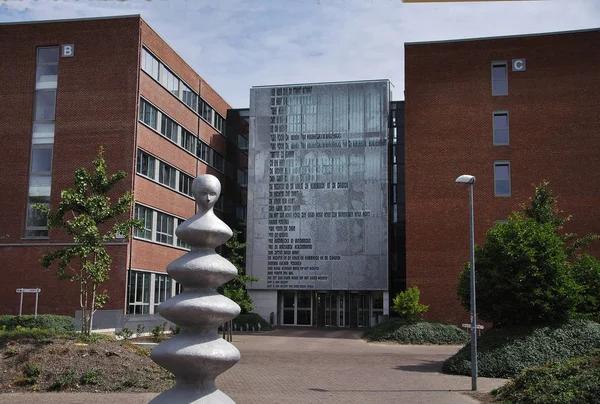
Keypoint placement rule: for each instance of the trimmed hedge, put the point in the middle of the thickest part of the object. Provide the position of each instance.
(575, 381)
(252, 320)
(505, 352)
(19, 333)
(60, 324)
(417, 333)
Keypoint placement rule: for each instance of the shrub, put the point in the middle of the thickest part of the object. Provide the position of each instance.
(90, 377)
(418, 333)
(407, 304)
(158, 332)
(125, 333)
(140, 329)
(253, 320)
(522, 275)
(21, 333)
(60, 324)
(505, 352)
(586, 272)
(575, 381)
(31, 373)
(63, 381)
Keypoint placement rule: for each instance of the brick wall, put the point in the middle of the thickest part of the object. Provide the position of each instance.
(553, 135)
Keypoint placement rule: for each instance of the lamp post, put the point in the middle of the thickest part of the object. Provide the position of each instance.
(469, 179)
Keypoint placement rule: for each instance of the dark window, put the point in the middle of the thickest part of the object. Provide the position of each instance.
(502, 178)
(499, 78)
(501, 134)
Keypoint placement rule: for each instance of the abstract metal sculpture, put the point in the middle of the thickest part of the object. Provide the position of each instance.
(197, 355)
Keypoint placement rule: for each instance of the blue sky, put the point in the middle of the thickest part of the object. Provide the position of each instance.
(236, 44)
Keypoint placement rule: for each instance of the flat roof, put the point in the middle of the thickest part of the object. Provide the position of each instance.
(505, 36)
(71, 19)
(324, 83)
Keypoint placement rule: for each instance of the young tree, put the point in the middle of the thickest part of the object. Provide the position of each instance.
(85, 212)
(523, 274)
(235, 289)
(407, 305)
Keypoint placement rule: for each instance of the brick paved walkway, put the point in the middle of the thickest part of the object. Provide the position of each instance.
(303, 366)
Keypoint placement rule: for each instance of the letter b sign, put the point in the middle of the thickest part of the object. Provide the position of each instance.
(67, 51)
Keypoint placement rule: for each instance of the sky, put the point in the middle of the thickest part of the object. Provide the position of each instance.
(237, 44)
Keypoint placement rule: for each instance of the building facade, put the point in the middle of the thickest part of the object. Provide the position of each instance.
(512, 111)
(72, 87)
(318, 208)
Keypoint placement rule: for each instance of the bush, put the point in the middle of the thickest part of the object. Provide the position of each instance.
(252, 320)
(586, 272)
(90, 377)
(418, 333)
(575, 381)
(31, 373)
(505, 352)
(158, 332)
(21, 333)
(60, 324)
(125, 333)
(63, 381)
(407, 304)
(522, 276)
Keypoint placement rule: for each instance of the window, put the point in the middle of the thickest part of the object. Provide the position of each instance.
(162, 289)
(150, 64)
(499, 78)
(45, 105)
(164, 228)
(202, 151)
(144, 215)
(242, 178)
(207, 112)
(188, 141)
(218, 161)
(148, 114)
(169, 80)
(185, 184)
(167, 175)
(189, 97)
(46, 73)
(502, 178)
(500, 123)
(146, 164)
(179, 242)
(168, 128)
(219, 123)
(138, 291)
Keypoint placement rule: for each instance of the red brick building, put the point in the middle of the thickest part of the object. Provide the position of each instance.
(72, 86)
(512, 111)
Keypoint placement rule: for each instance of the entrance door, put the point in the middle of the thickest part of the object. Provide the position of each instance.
(359, 309)
(296, 307)
(326, 309)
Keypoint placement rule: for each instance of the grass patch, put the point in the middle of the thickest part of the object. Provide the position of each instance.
(20, 333)
(417, 333)
(505, 352)
(250, 322)
(575, 381)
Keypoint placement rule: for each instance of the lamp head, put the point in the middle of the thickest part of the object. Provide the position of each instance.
(466, 179)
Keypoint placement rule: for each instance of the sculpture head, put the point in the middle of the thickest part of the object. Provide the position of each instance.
(206, 190)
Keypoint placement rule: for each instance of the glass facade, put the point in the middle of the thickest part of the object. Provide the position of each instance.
(318, 187)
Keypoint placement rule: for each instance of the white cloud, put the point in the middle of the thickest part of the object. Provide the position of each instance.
(235, 44)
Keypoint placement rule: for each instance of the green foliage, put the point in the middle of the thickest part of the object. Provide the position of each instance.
(19, 333)
(85, 213)
(406, 304)
(60, 324)
(90, 376)
(93, 338)
(158, 332)
(235, 289)
(64, 380)
(586, 272)
(505, 352)
(125, 333)
(31, 372)
(417, 333)
(175, 330)
(140, 329)
(576, 381)
(252, 320)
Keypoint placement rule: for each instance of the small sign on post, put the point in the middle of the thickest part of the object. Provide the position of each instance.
(22, 291)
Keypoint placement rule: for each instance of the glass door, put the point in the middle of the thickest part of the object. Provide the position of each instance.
(303, 308)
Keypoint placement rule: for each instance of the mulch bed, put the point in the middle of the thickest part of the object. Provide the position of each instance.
(66, 364)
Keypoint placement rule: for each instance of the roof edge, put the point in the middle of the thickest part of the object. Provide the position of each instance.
(323, 83)
(71, 19)
(576, 31)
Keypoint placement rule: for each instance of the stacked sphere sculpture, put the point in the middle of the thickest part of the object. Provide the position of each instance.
(197, 355)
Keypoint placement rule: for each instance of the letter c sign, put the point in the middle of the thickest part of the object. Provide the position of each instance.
(519, 65)
(67, 51)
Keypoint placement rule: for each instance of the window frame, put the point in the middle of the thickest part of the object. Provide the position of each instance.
(504, 91)
(496, 179)
(494, 115)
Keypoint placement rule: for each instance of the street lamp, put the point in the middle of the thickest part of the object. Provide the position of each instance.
(469, 179)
